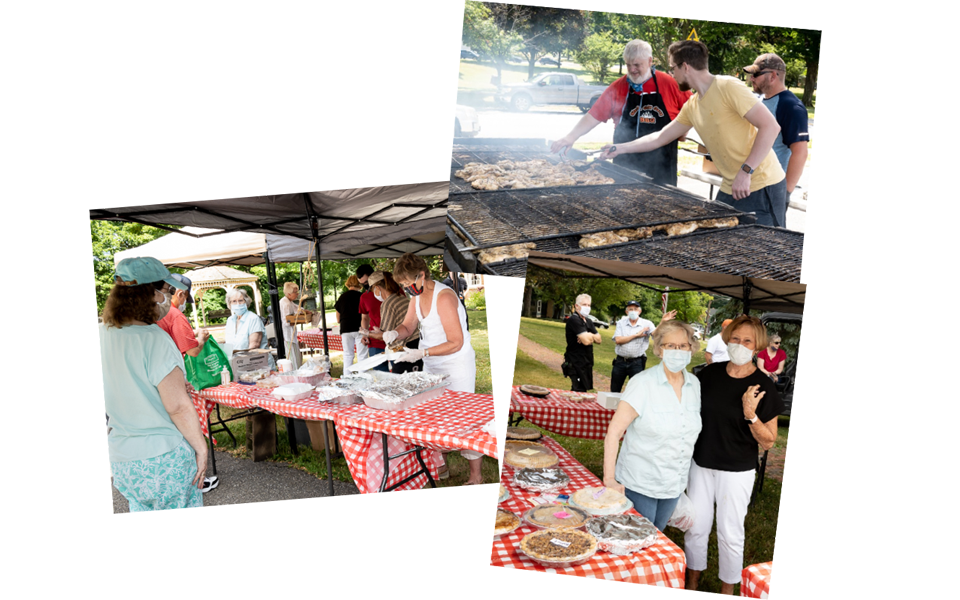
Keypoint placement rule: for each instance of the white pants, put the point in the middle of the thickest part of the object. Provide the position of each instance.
(350, 341)
(463, 378)
(731, 493)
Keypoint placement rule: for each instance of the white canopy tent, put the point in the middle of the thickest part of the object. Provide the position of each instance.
(191, 251)
(226, 278)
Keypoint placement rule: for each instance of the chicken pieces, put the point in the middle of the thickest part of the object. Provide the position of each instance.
(493, 255)
(604, 238)
(508, 174)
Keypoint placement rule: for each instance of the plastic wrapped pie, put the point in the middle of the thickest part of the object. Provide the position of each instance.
(601, 501)
(622, 534)
(506, 522)
(528, 454)
(556, 515)
(504, 494)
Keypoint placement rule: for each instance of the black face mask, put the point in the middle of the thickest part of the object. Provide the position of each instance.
(413, 289)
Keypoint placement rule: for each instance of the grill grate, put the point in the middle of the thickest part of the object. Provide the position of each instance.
(515, 216)
(735, 251)
(491, 155)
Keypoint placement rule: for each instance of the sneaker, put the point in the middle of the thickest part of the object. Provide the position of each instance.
(210, 483)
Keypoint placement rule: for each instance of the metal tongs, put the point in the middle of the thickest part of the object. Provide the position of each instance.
(563, 159)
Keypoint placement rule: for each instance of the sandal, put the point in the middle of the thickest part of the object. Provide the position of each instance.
(443, 472)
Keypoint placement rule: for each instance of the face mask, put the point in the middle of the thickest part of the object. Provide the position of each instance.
(739, 355)
(676, 360)
(633, 315)
(377, 296)
(413, 289)
(164, 306)
(238, 310)
(585, 311)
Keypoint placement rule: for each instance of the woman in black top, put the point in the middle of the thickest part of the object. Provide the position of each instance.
(739, 408)
(348, 315)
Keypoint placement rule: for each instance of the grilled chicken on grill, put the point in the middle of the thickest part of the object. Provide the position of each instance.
(636, 234)
(604, 238)
(725, 222)
(492, 255)
(680, 228)
(508, 174)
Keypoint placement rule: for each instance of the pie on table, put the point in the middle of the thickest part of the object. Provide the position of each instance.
(559, 547)
(600, 500)
(523, 433)
(622, 534)
(533, 458)
(534, 390)
(556, 516)
(506, 522)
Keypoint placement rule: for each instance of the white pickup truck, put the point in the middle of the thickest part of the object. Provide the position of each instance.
(550, 88)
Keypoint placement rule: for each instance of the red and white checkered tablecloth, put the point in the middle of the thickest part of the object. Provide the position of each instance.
(587, 420)
(234, 394)
(313, 338)
(452, 421)
(662, 564)
(786, 580)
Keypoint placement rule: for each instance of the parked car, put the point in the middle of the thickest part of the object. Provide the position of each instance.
(469, 54)
(546, 60)
(597, 322)
(467, 123)
(550, 88)
(791, 346)
(516, 59)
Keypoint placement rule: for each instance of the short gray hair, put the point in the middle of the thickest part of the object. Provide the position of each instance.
(637, 49)
(238, 293)
(581, 298)
(668, 327)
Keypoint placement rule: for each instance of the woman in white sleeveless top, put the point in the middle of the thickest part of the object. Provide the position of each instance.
(444, 340)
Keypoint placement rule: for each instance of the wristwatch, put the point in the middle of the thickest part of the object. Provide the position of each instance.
(746, 169)
(426, 352)
(753, 420)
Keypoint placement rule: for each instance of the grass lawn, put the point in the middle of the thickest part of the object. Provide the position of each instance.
(551, 335)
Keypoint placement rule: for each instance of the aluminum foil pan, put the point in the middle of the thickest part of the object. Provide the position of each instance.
(541, 480)
(622, 534)
(404, 391)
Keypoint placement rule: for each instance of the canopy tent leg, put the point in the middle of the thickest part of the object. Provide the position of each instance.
(275, 305)
(747, 288)
(315, 226)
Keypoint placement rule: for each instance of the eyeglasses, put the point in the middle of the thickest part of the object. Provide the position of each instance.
(776, 343)
(675, 67)
(683, 347)
(759, 73)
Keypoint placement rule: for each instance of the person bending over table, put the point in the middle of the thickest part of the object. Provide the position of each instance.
(659, 419)
(157, 452)
(393, 310)
(444, 340)
(245, 330)
(739, 408)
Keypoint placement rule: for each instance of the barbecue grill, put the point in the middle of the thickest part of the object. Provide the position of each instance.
(490, 151)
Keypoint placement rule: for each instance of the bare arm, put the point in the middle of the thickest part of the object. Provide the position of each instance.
(585, 124)
(783, 363)
(202, 335)
(708, 357)
(673, 131)
(447, 303)
(761, 363)
(254, 340)
(767, 130)
(611, 443)
(176, 401)
(798, 158)
(764, 433)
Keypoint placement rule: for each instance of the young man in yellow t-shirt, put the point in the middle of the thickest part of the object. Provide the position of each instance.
(737, 129)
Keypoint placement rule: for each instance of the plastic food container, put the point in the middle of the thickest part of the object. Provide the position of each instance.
(293, 391)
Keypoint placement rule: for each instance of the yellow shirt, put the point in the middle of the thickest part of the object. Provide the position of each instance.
(718, 119)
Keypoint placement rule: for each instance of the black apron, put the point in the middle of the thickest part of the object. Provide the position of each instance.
(645, 113)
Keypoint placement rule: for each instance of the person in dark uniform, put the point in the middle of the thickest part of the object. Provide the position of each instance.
(643, 101)
(581, 336)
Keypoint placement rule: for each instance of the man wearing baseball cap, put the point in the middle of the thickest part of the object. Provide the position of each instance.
(768, 75)
(176, 323)
(716, 348)
(632, 338)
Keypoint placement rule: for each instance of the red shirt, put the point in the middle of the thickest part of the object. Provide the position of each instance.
(178, 326)
(369, 305)
(610, 104)
(772, 364)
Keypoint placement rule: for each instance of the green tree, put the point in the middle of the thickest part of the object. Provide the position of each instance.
(482, 34)
(599, 51)
(109, 237)
(542, 30)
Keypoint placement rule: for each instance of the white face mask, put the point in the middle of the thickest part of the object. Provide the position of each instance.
(676, 360)
(585, 311)
(377, 296)
(165, 305)
(633, 315)
(739, 355)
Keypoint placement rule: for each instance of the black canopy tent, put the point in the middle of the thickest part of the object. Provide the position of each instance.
(376, 222)
(763, 294)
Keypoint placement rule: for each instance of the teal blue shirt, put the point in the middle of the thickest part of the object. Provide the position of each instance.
(658, 445)
(240, 340)
(135, 359)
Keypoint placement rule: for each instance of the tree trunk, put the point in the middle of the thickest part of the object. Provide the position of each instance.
(527, 302)
(810, 82)
(530, 66)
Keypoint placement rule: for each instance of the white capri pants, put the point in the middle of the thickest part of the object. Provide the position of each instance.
(731, 493)
(349, 347)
